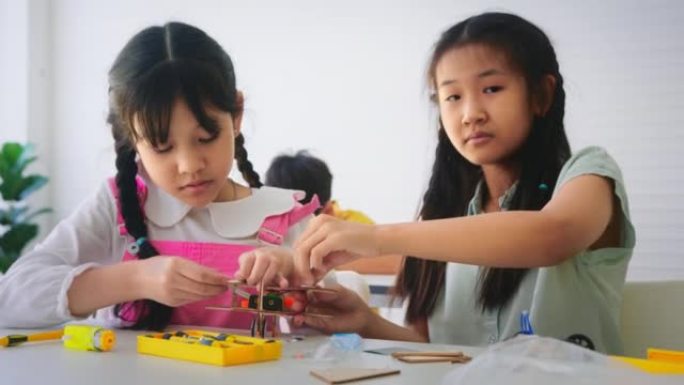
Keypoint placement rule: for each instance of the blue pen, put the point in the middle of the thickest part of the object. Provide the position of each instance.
(525, 324)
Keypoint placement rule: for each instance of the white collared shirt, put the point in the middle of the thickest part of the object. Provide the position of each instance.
(33, 291)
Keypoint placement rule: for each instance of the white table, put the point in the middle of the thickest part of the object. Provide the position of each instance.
(49, 363)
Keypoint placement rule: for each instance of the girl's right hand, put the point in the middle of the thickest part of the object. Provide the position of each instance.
(175, 281)
(328, 242)
(268, 264)
(349, 312)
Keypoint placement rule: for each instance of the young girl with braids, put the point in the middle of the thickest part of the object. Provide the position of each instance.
(181, 226)
(511, 220)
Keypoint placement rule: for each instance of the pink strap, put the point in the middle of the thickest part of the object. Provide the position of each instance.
(274, 228)
(142, 196)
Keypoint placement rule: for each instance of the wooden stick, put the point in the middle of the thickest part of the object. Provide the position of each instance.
(428, 354)
(420, 359)
(416, 357)
(261, 326)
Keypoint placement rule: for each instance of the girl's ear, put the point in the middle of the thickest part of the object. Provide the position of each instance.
(237, 117)
(548, 87)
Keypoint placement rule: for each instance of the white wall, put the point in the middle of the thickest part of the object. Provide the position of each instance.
(346, 80)
(13, 70)
(25, 93)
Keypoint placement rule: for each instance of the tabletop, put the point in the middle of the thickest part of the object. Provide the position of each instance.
(49, 363)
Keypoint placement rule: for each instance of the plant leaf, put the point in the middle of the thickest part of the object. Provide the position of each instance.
(5, 263)
(16, 213)
(27, 152)
(21, 166)
(11, 152)
(16, 238)
(36, 213)
(30, 184)
(6, 217)
(4, 167)
(10, 186)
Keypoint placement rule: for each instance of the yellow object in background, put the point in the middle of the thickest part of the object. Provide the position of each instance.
(673, 356)
(89, 338)
(349, 215)
(660, 361)
(653, 366)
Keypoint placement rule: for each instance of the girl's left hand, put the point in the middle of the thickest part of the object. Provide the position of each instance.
(350, 314)
(268, 264)
(328, 242)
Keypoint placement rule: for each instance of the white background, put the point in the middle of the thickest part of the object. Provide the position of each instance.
(346, 81)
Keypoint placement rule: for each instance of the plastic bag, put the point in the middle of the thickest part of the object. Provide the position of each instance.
(526, 360)
(339, 346)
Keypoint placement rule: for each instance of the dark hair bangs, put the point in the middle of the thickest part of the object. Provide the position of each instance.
(149, 103)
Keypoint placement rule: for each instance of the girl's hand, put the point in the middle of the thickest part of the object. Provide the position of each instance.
(268, 264)
(328, 242)
(176, 281)
(349, 312)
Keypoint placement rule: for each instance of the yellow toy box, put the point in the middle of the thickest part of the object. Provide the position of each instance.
(209, 347)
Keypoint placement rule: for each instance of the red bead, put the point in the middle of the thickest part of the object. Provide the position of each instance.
(288, 301)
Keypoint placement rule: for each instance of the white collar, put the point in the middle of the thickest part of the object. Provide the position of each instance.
(243, 218)
(234, 219)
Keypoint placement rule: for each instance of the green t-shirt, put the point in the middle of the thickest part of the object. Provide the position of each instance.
(578, 299)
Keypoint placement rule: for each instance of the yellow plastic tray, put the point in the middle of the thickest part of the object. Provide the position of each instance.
(673, 356)
(653, 366)
(225, 350)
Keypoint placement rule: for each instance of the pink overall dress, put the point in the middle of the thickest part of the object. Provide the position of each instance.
(219, 256)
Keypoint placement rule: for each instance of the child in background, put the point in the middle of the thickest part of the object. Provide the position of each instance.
(305, 172)
(172, 215)
(511, 220)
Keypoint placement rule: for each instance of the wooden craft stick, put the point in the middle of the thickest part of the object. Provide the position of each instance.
(428, 354)
(423, 357)
(345, 375)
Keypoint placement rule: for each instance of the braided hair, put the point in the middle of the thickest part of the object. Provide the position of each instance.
(157, 66)
(454, 179)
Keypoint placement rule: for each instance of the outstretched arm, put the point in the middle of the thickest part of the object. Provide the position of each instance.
(74, 272)
(572, 221)
(33, 292)
(173, 281)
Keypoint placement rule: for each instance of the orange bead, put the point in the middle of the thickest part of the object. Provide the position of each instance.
(288, 302)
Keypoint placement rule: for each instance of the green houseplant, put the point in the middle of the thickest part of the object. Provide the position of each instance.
(16, 226)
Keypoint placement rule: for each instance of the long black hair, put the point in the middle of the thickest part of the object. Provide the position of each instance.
(157, 66)
(454, 179)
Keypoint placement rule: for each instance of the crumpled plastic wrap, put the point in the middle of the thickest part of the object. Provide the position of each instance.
(527, 360)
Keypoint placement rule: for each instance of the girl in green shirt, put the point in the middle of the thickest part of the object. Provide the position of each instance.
(510, 221)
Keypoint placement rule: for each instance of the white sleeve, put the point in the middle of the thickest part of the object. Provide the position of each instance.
(33, 291)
